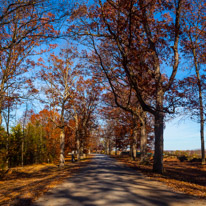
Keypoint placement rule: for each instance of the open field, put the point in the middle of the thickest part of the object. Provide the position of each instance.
(22, 185)
(186, 177)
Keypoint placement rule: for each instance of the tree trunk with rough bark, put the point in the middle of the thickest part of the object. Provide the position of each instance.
(107, 146)
(62, 144)
(159, 128)
(78, 145)
(143, 138)
(134, 143)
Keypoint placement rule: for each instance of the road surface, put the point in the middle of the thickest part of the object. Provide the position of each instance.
(107, 182)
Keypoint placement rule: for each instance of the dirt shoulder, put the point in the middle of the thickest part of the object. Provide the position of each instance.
(22, 185)
(184, 177)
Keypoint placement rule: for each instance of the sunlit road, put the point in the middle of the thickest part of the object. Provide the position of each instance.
(107, 182)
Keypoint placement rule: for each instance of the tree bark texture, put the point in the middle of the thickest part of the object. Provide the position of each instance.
(134, 143)
(201, 109)
(78, 145)
(62, 144)
(143, 138)
(107, 145)
(158, 155)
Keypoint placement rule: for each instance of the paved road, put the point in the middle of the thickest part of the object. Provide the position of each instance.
(107, 182)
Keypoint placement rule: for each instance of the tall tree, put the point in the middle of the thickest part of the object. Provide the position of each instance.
(82, 108)
(24, 26)
(60, 77)
(193, 41)
(141, 44)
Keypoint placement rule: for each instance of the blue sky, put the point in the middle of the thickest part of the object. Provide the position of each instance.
(182, 135)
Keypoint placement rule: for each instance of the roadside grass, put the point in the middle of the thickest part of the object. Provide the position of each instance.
(22, 185)
(185, 177)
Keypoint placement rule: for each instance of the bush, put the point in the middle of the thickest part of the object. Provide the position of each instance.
(182, 158)
(125, 153)
(196, 160)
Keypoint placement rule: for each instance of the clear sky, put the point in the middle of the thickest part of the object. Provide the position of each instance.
(182, 135)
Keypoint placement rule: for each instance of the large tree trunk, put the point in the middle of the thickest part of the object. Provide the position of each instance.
(143, 138)
(158, 155)
(159, 129)
(62, 144)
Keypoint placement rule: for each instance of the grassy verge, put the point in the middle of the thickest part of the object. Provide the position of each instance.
(22, 185)
(185, 177)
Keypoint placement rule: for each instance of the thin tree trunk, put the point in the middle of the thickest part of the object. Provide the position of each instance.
(108, 145)
(0, 118)
(200, 108)
(62, 144)
(131, 153)
(78, 145)
(77, 135)
(81, 148)
(62, 138)
(116, 146)
(7, 151)
(202, 139)
(201, 123)
(23, 136)
(7, 137)
(40, 148)
(22, 151)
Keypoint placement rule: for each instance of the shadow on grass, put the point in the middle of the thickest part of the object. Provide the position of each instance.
(38, 183)
(178, 171)
(185, 176)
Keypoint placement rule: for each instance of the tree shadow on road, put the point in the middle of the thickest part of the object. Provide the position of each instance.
(104, 182)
